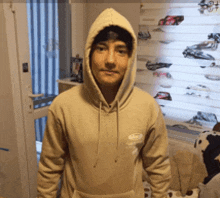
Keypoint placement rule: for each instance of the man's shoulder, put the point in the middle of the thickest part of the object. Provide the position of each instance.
(68, 94)
(143, 96)
(144, 102)
(145, 99)
(67, 97)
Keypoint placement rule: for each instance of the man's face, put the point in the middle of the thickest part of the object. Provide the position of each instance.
(109, 62)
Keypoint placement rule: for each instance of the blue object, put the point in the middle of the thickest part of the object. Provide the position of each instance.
(4, 149)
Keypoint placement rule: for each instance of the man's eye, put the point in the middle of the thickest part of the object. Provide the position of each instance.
(122, 51)
(99, 48)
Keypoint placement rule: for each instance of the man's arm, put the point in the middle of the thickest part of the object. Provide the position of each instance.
(52, 158)
(155, 157)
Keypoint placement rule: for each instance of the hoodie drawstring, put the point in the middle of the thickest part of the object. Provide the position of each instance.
(99, 131)
(116, 158)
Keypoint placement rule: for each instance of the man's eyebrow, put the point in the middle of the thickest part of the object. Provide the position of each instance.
(121, 46)
(102, 43)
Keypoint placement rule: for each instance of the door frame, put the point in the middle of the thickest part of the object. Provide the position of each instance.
(18, 50)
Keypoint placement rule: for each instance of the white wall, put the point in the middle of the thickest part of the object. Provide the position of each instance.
(64, 13)
(79, 27)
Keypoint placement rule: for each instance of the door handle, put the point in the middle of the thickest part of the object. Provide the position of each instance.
(31, 95)
(35, 95)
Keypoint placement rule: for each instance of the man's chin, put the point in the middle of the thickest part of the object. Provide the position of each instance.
(110, 84)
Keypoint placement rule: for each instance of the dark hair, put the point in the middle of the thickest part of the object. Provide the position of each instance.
(115, 33)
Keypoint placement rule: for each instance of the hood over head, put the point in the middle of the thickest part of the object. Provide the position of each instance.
(108, 18)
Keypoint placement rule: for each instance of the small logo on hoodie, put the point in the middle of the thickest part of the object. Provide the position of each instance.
(135, 142)
(135, 136)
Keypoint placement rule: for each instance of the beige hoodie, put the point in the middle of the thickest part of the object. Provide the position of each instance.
(101, 150)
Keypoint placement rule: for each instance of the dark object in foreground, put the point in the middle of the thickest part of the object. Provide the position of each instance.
(171, 20)
(157, 65)
(163, 95)
(191, 53)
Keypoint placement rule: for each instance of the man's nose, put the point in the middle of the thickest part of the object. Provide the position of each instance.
(110, 63)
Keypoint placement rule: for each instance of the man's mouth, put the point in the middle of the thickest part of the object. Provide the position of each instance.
(109, 71)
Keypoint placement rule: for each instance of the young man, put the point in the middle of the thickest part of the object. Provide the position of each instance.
(101, 134)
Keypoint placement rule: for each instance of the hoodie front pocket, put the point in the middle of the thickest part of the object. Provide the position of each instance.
(129, 194)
